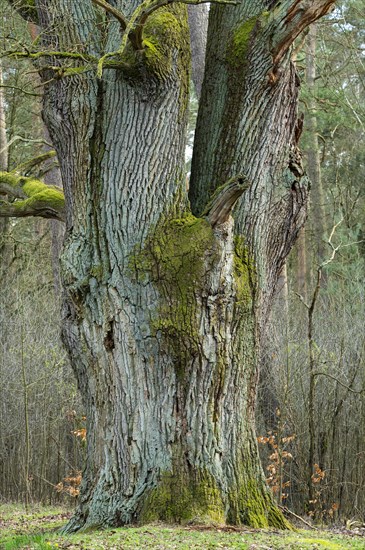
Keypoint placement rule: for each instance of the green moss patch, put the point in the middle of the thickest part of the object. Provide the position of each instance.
(40, 195)
(166, 34)
(251, 505)
(183, 498)
(166, 50)
(320, 543)
(174, 259)
(242, 37)
(9, 178)
(36, 191)
(161, 33)
(244, 272)
(240, 42)
(198, 537)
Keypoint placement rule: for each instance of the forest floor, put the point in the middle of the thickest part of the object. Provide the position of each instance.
(38, 529)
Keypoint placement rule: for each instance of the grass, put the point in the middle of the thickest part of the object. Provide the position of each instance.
(39, 530)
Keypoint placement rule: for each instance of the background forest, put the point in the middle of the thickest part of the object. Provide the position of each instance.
(311, 402)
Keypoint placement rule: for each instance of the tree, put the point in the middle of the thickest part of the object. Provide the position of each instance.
(164, 306)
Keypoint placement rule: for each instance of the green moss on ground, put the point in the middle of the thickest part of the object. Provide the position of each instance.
(158, 536)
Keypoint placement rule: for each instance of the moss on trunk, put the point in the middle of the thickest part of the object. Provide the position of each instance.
(175, 258)
(184, 496)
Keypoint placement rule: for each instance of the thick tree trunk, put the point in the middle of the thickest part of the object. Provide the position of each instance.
(157, 315)
(251, 129)
(163, 310)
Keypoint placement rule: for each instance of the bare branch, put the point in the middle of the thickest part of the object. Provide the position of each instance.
(113, 11)
(287, 511)
(334, 249)
(220, 207)
(338, 381)
(298, 16)
(21, 90)
(26, 9)
(25, 140)
(302, 299)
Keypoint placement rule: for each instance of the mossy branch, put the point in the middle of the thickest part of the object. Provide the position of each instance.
(149, 6)
(222, 203)
(51, 53)
(28, 165)
(30, 197)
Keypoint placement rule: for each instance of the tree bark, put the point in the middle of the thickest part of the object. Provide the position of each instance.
(163, 309)
(3, 153)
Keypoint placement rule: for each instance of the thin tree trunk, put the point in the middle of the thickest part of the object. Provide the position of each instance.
(3, 138)
(302, 265)
(27, 449)
(312, 153)
(3, 153)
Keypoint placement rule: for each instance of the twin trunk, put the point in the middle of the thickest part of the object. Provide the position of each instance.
(162, 311)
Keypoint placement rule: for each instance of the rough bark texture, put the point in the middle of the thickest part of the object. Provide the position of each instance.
(251, 130)
(162, 309)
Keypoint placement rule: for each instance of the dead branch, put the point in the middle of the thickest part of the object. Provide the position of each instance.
(222, 203)
(299, 15)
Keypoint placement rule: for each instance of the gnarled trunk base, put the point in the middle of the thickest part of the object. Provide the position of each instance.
(170, 391)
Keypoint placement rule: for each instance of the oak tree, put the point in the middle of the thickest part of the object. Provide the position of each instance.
(167, 290)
